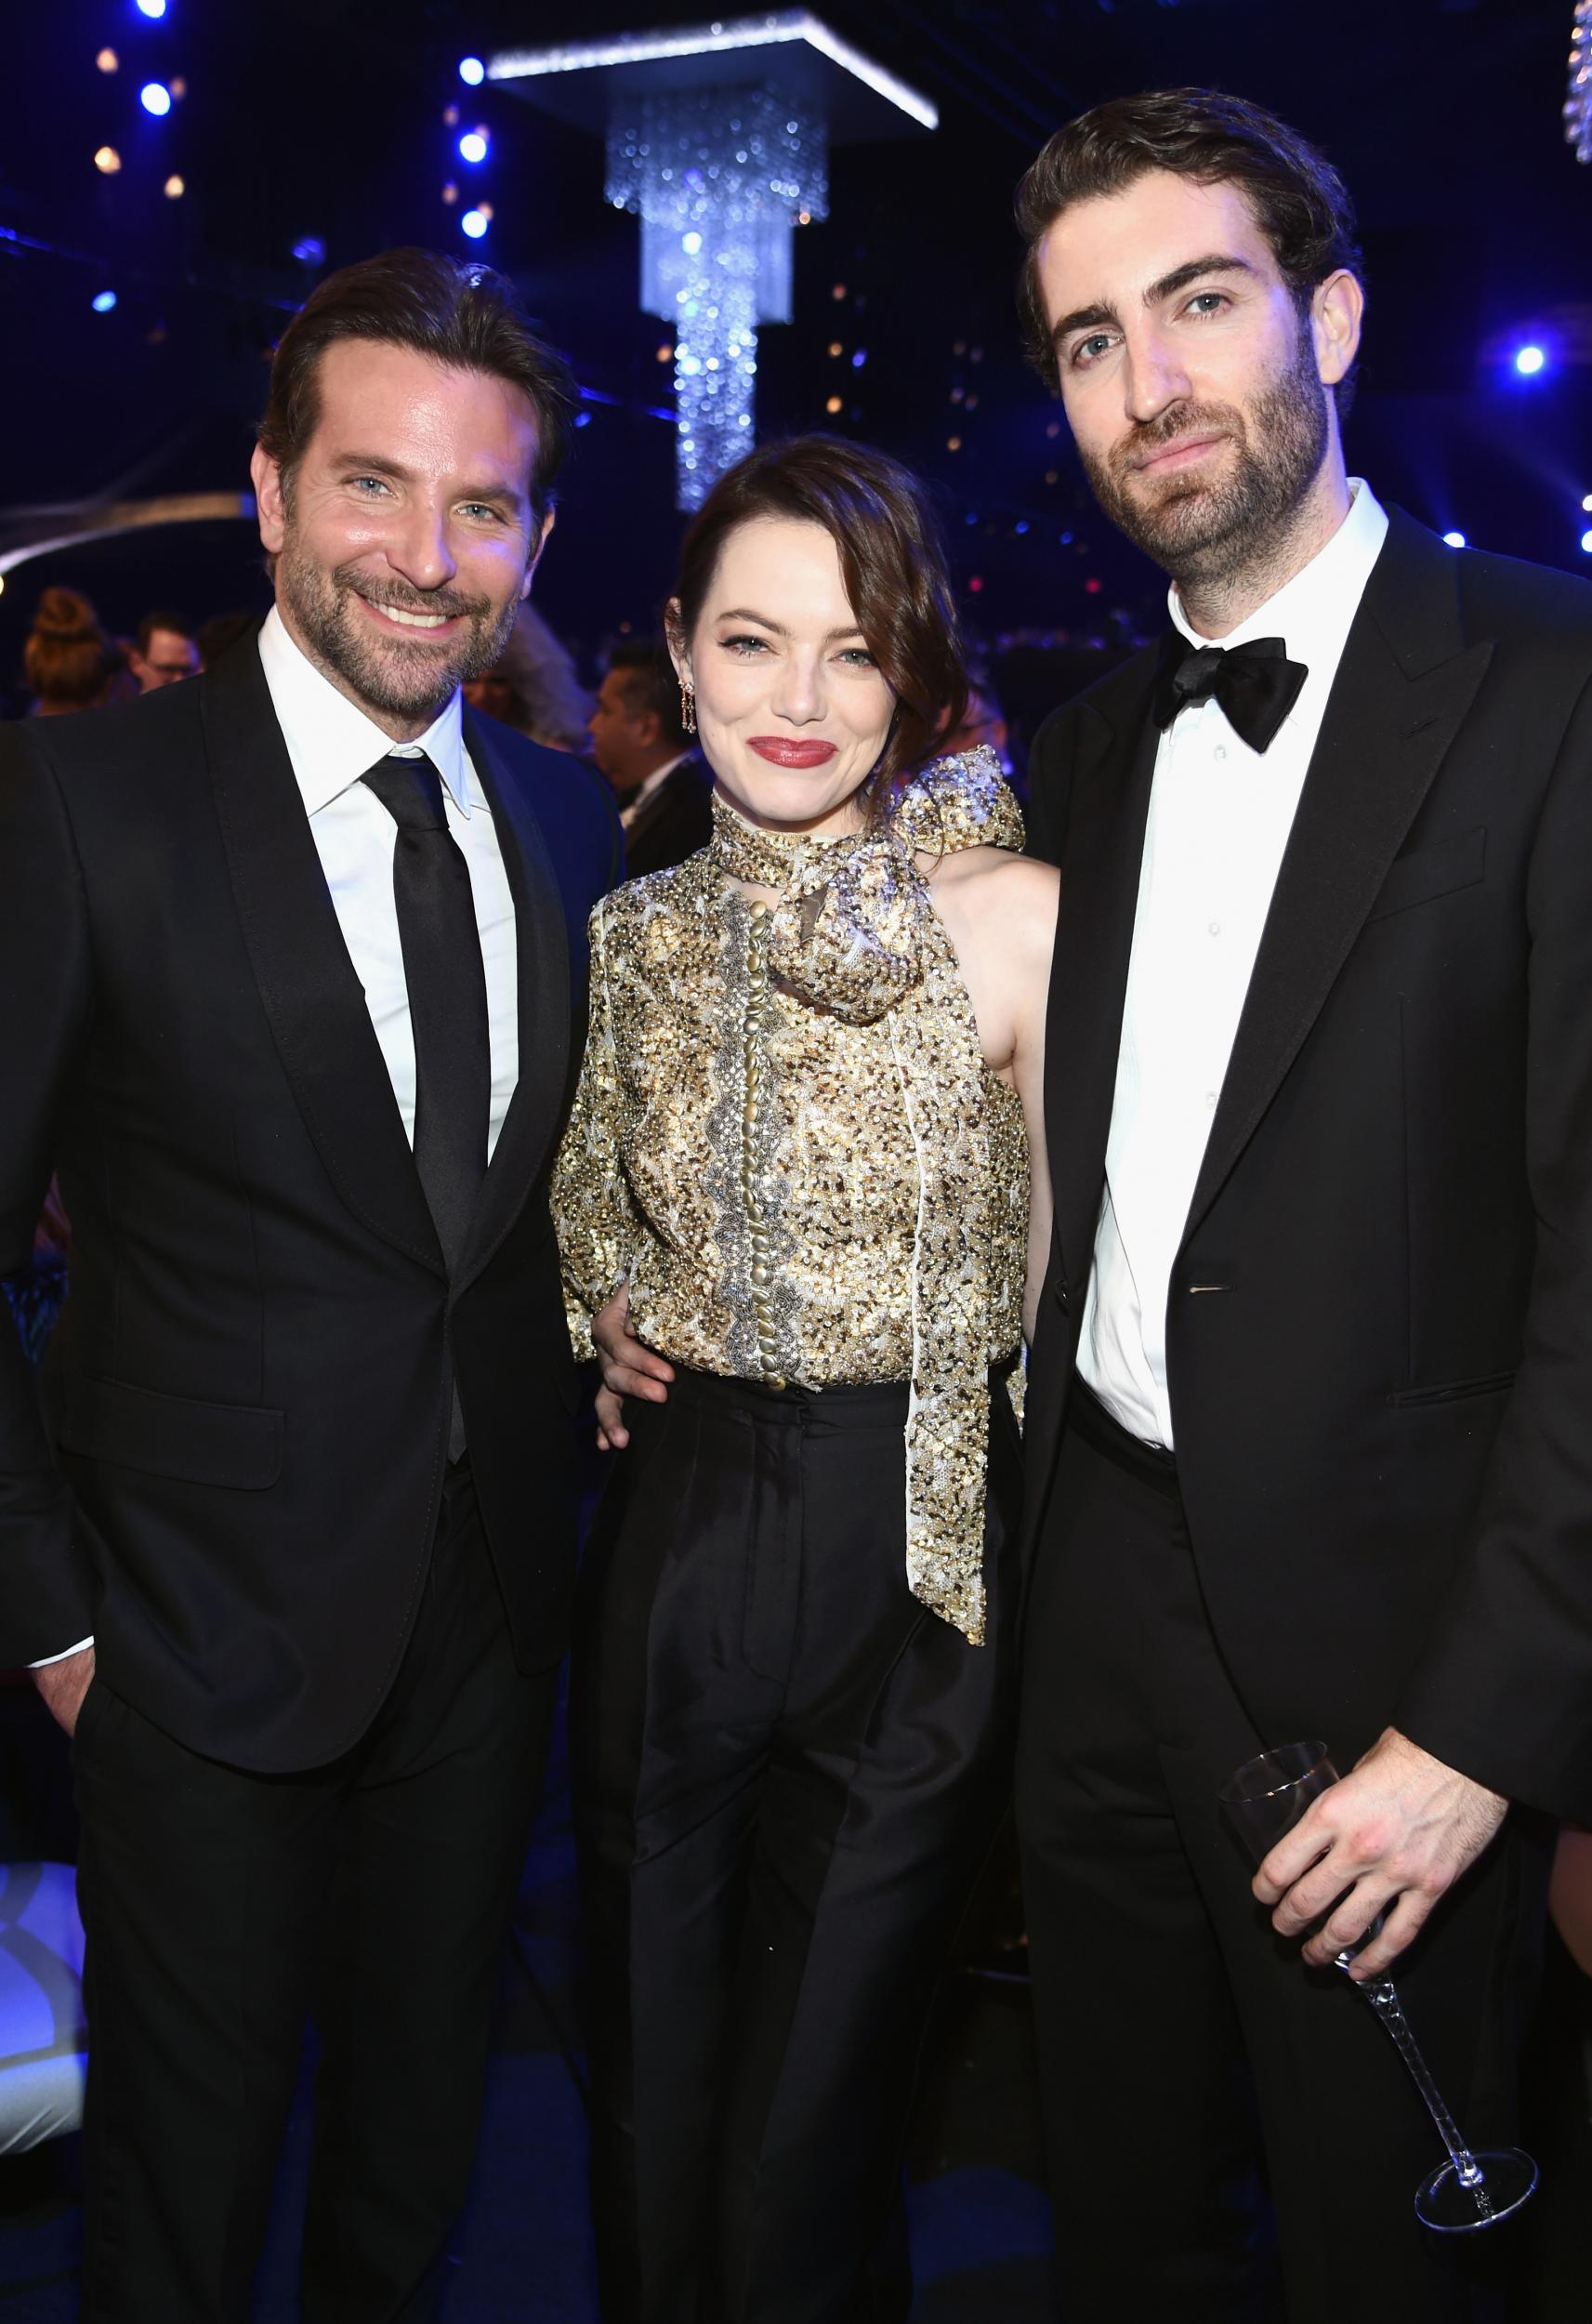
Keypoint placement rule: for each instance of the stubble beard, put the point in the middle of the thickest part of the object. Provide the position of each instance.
(392, 676)
(1202, 532)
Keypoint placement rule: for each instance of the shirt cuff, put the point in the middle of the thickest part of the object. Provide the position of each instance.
(65, 1655)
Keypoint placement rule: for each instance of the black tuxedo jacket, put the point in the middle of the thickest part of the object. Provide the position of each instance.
(674, 823)
(1379, 1336)
(250, 1421)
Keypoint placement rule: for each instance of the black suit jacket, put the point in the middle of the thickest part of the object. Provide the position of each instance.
(256, 1372)
(1379, 1329)
(674, 823)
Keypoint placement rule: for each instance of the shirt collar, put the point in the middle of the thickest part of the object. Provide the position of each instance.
(1311, 613)
(331, 742)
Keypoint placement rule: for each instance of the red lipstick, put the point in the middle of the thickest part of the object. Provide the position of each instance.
(782, 751)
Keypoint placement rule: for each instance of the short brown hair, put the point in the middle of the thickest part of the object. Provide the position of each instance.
(68, 658)
(458, 313)
(1297, 199)
(878, 515)
(647, 681)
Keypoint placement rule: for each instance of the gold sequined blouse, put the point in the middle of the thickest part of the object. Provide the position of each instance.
(786, 1140)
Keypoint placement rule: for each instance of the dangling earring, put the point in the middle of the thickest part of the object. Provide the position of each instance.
(688, 706)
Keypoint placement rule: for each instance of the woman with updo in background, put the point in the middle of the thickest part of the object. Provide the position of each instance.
(69, 662)
(794, 1210)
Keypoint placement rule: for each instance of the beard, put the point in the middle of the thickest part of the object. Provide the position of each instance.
(1201, 530)
(389, 675)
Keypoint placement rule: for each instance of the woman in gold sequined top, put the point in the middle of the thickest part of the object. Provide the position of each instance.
(793, 1212)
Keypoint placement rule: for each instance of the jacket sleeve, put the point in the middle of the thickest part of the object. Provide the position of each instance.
(599, 1227)
(1503, 1691)
(1049, 774)
(47, 1593)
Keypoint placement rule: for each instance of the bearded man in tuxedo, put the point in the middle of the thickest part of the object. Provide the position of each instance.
(1308, 1451)
(303, 946)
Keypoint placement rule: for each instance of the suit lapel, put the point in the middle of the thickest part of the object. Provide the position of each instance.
(542, 944)
(1101, 853)
(313, 1001)
(1402, 693)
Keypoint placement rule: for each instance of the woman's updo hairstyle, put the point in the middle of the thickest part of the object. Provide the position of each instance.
(68, 658)
(891, 561)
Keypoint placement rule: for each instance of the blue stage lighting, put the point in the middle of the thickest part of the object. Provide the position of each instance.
(583, 419)
(155, 98)
(1454, 540)
(151, 7)
(474, 224)
(1586, 542)
(472, 72)
(312, 251)
(104, 302)
(1528, 361)
(472, 146)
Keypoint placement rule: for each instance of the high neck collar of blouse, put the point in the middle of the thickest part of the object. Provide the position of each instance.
(769, 859)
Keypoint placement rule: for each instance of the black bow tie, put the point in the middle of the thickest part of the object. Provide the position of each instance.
(1255, 684)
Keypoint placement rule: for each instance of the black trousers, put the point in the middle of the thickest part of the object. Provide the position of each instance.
(786, 1774)
(1189, 2060)
(221, 1905)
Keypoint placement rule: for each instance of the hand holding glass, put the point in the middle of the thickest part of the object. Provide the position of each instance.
(1265, 1799)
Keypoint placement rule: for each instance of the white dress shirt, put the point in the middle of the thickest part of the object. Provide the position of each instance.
(331, 743)
(1219, 818)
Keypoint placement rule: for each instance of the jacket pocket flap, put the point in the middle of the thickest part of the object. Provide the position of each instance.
(235, 1445)
(1432, 871)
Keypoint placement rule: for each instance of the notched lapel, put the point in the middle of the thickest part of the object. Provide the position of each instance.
(541, 945)
(313, 1001)
(1389, 723)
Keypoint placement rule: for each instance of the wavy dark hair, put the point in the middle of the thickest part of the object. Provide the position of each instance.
(1297, 199)
(457, 312)
(878, 514)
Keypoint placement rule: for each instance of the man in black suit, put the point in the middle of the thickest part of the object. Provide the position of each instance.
(1307, 1429)
(638, 739)
(294, 956)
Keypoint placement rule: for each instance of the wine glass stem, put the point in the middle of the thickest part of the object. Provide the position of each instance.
(1383, 1996)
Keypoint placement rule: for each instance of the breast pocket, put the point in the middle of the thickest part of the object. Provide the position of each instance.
(1429, 872)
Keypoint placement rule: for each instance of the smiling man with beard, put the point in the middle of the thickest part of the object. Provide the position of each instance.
(303, 945)
(1306, 1438)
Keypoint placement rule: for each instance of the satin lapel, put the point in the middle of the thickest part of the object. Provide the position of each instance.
(1391, 717)
(1101, 855)
(313, 1001)
(542, 943)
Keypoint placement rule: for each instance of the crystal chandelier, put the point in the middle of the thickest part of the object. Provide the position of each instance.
(718, 140)
(718, 178)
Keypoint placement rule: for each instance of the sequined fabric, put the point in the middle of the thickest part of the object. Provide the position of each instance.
(786, 1141)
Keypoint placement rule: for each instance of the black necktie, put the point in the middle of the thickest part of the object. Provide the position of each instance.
(1255, 684)
(447, 1003)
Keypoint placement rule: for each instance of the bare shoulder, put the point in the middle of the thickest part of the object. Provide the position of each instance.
(988, 884)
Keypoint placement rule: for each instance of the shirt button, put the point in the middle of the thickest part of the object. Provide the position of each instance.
(1220, 751)
(1216, 927)
(1210, 1100)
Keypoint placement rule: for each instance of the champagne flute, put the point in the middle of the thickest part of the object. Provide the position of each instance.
(1476, 2187)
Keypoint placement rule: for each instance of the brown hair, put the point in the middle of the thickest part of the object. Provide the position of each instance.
(68, 658)
(647, 681)
(458, 313)
(1297, 199)
(878, 515)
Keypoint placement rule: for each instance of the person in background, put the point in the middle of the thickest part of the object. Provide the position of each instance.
(222, 631)
(69, 661)
(551, 705)
(163, 651)
(639, 740)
